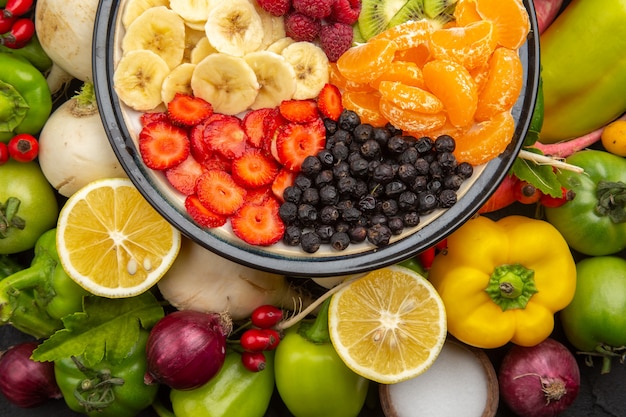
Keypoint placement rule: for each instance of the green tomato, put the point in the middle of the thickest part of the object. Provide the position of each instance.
(595, 320)
(233, 392)
(591, 225)
(313, 381)
(37, 210)
(127, 398)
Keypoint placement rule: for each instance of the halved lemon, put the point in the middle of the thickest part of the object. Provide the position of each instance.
(388, 326)
(112, 242)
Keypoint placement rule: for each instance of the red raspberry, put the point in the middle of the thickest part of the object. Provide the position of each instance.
(345, 11)
(275, 7)
(317, 9)
(301, 27)
(335, 39)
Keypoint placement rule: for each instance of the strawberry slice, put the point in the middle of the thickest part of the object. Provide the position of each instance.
(258, 224)
(259, 195)
(184, 175)
(283, 179)
(219, 193)
(217, 161)
(254, 169)
(254, 126)
(299, 111)
(163, 145)
(199, 148)
(272, 122)
(202, 215)
(187, 110)
(329, 102)
(226, 136)
(154, 116)
(296, 141)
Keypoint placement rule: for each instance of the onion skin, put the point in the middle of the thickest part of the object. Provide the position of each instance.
(539, 381)
(186, 349)
(24, 382)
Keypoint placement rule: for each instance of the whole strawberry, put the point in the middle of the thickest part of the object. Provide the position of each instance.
(335, 39)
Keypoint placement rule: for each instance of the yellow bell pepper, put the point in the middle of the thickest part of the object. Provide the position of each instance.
(502, 281)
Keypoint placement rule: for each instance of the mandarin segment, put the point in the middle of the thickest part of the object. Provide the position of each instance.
(510, 18)
(367, 61)
(412, 121)
(470, 45)
(335, 78)
(485, 140)
(454, 86)
(410, 98)
(409, 34)
(502, 86)
(406, 72)
(366, 105)
(465, 12)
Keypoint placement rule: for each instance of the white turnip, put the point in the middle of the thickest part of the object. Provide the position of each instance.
(65, 31)
(202, 281)
(73, 146)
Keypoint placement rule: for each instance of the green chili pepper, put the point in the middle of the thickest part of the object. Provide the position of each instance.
(311, 378)
(583, 59)
(25, 99)
(33, 52)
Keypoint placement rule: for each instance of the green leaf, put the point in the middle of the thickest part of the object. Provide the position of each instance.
(105, 329)
(542, 177)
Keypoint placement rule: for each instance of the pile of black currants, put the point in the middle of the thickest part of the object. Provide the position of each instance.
(369, 184)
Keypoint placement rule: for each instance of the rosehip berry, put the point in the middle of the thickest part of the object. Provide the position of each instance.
(4, 153)
(255, 340)
(23, 147)
(253, 361)
(266, 316)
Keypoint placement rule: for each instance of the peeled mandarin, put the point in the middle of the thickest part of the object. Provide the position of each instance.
(335, 78)
(485, 140)
(510, 18)
(410, 98)
(409, 34)
(366, 105)
(404, 71)
(409, 120)
(502, 86)
(367, 61)
(470, 45)
(465, 12)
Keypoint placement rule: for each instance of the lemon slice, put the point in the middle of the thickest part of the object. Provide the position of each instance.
(112, 242)
(388, 326)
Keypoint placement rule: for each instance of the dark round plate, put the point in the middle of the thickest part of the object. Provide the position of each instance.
(122, 128)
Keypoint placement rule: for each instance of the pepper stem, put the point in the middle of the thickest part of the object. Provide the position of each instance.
(96, 392)
(317, 330)
(511, 286)
(611, 200)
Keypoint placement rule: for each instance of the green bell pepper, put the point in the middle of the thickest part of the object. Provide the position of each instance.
(35, 299)
(583, 59)
(233, 392)
(107, 390)
(33, 52)
(311, 378)
(25, 98)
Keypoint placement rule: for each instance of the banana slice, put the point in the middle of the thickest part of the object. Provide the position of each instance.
(134, 8)
(192, 38)
(177, 81)
(273, 26)
(138, 78)
(191, 10)
(202, 49)
(311, 66)
(278, 45)
(276, 78)
(234, 27)
(225, 81)
(159, 30)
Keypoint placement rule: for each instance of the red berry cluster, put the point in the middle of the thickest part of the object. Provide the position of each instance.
(16, 29)
(22, 148)
(327, 21)
(261, 337)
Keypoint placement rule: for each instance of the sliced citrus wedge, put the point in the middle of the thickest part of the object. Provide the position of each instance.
(388, 326)
(112, 242)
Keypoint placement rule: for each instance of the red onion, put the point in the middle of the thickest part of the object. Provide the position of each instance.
(24, 382)
(539, 381)
(186, 349)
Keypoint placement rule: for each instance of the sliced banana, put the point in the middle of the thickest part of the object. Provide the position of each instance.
(138, 78)
(159, 30)
(311, 66)
(134, 8)
(279, 44)
(192, 38)
(196, 24)
(273, 26)
(202, 49)
(234, 27)
(177, 81)
(225, 81)
(191, 10)
(276, 78)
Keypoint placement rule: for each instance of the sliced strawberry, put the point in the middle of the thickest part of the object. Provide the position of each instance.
(258, 224)
(259, 195)
(154, 116)
(199, 147)
(299, 111)
(270, 125)
(254, 126)
(226, 136)
(296, 141)
(219, 193)
(283, 179)
(184, 175)
(187, 110)
(217, 161)
(254, 169)
(329, 102)
(202, 215)
(163, 145)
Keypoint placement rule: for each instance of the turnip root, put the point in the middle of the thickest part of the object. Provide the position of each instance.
(73, 145)
(546, 11)
(202, 281)
(65, 31)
